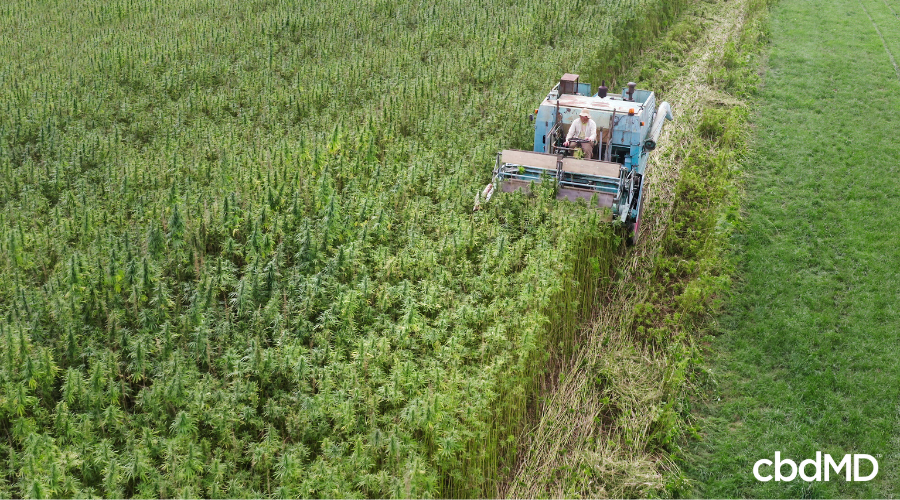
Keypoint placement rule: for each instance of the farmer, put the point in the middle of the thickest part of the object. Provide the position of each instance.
(583, 128)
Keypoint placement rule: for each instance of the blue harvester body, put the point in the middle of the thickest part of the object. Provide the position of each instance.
(628, 126)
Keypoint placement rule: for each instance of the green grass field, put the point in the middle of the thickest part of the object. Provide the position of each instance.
(807, 358)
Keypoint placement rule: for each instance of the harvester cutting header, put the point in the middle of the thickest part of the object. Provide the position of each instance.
(610, 164)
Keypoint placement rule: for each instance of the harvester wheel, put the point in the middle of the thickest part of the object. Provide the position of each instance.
(633, 230)
(630, 234)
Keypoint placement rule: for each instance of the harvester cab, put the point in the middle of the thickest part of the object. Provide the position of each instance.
(628, 126)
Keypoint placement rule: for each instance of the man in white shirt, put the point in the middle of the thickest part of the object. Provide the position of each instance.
(583, 128)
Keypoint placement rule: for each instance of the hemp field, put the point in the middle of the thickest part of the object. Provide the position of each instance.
(238, 254)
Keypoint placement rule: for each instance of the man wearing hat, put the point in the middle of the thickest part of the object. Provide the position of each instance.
(583, 128)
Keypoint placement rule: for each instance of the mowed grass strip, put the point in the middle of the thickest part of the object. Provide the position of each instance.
(807, 360)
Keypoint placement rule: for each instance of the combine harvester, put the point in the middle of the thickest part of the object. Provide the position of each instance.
(628, 127)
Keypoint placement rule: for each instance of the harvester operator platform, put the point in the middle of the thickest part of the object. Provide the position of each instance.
(586, 129)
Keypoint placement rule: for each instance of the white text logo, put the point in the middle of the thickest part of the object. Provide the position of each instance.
(787, 469)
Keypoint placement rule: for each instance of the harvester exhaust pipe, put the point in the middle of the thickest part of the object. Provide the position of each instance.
(602, 90)
(662, 114)
(631, 87)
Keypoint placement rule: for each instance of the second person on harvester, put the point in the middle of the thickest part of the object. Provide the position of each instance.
(583, 128)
